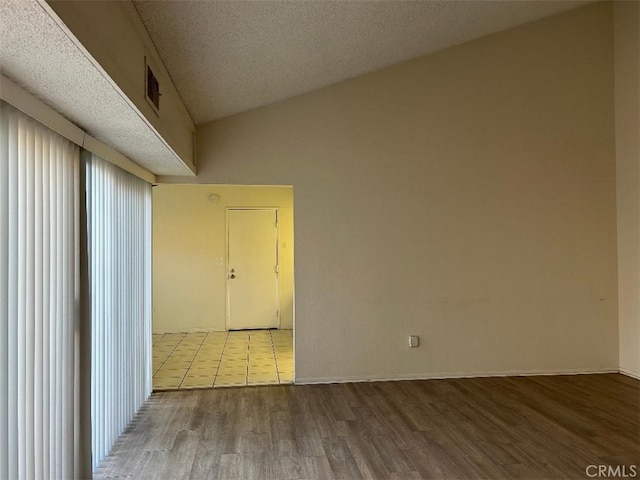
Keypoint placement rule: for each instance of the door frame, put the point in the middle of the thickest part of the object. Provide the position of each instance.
(227, 273)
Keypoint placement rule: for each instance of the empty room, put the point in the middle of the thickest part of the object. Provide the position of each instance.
(323, 239)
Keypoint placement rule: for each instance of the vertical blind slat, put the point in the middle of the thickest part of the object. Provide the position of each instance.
(4, 294)
(39, 313)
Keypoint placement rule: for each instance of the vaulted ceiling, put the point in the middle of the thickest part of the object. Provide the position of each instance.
(227, 57)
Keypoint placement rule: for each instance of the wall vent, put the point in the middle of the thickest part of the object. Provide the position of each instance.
(152, 88)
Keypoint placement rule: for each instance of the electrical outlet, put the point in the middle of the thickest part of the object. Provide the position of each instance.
(414, 341)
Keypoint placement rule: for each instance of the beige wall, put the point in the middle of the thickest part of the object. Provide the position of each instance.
(189, 234)
(627, 98)
(467, 197)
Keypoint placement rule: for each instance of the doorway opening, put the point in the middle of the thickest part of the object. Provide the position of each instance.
(223, 286)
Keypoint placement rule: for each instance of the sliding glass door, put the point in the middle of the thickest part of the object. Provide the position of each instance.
(75, 302)
(39, 300)
(119, 241)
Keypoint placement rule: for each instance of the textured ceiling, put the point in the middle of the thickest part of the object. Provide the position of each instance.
(226, 57)
(38, 55)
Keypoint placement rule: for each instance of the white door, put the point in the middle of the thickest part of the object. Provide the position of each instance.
(252, 269)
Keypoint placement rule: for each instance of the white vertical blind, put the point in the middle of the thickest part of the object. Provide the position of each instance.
(39, 299)
(43, 365)
(119, 237)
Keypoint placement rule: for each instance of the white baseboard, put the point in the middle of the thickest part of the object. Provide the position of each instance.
(449, 375)
(630, 373)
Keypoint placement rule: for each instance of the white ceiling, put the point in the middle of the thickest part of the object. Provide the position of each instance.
(226, 57)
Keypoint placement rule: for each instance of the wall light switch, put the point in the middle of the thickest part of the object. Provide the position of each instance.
(414, 341)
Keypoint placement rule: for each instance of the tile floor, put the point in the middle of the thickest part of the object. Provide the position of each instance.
(222, 359)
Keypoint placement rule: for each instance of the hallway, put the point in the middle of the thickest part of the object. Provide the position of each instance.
(222, 359)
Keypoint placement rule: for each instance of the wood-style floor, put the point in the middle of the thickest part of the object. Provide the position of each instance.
(493, 428)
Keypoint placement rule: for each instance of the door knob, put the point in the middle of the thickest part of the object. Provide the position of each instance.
(232, 275)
